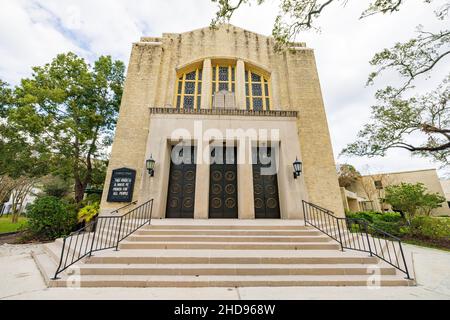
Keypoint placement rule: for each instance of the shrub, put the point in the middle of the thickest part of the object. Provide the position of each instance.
(393, 228)
(372, 216)
(88, 213)
(50, 218)
(365, 215)
(430, 227)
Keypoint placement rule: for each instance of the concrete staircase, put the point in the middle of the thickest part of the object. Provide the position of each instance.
(222, 253)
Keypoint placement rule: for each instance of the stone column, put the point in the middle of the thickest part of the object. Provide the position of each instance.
(240, 85)
(201, 209)
(246, 200)
(206, 84)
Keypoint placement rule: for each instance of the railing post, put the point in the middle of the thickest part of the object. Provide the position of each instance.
(151, 213)
(339, 232)
(60, 260)
(118, 234)
(368, 240)
(305, 218)
(94, 225)
(404, 259)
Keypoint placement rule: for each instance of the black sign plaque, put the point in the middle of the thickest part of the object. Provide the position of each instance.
(121, 185)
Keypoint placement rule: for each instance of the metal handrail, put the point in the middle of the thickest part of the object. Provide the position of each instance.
(105, 232)
(357, 234)
(125, 206)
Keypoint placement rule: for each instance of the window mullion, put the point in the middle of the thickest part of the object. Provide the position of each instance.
(250, 89)
(195, 89)
(183, 84)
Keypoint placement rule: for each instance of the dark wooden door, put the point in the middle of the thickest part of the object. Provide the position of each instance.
(181, 193)
(223, 202)
(265, 185)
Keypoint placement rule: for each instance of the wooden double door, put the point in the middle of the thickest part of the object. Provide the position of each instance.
(223, 200)
(181, 193)
(265, 184)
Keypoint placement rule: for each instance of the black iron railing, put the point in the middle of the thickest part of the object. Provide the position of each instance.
(105, 232)
(357, 234)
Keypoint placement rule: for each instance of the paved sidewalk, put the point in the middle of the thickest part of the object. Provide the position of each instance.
(21, 279)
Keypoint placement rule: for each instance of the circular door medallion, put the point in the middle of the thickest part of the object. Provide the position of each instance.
(188, 202)
(230, 188)
(270, 189)
(217, 175)
(189, 175)
(175, 188)
(189, 188)
(173, 203)
(271, 203)
(259, 203)
(216, 203)
(258, 189)
(176, 174)
(216, 188)
(230, 203)
(230, 175)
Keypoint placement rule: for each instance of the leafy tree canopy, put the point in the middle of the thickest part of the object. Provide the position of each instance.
(347, 175)
(69, 109)
(412, 199)
(402, 118)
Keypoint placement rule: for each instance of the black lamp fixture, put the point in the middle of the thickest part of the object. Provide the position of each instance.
(150, 164)
(297, 168)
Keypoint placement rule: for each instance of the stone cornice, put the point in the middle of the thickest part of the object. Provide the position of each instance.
(226, 112)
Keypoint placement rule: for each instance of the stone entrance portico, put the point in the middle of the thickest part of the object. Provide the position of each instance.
(204, 131)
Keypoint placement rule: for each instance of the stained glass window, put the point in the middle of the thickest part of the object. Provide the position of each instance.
(223, 78)
(256, 91)
(189, 90)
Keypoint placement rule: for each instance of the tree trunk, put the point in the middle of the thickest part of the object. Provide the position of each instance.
(79, 190)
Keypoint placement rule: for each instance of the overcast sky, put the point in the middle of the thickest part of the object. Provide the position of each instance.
(32, 32)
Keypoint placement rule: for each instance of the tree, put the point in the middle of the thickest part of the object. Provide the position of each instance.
(347, 175)
(55, 186)
(296, 16)
(70, 108)
(412, 199)
(22, 188)
(401, 119)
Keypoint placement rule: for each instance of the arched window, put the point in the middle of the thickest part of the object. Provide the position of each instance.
(257, 91)
(189, 90)
(223, 78)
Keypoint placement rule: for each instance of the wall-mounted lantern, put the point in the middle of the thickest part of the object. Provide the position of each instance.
(297, 168)
(150, 164)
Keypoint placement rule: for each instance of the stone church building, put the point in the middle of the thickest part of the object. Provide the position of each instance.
(222, 116)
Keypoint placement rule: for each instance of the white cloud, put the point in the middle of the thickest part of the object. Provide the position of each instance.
(32, 32)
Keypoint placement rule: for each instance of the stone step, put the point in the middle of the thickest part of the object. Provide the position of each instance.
(229, 257)
(228, 245)
(87, 281)
(226, 227)
(233, 269)
(228, 238)
(220, 232)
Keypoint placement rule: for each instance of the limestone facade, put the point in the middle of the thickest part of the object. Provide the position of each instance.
(291, 105)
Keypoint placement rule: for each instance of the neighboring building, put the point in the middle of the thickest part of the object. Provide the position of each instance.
(187, 95)
(369, 191)
(29, 199)
(446, 187)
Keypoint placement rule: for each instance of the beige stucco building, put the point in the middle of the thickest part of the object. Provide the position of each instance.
(196, 98)
(369, 190)
(446, 187)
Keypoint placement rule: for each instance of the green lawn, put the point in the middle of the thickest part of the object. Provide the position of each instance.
(6, 225)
